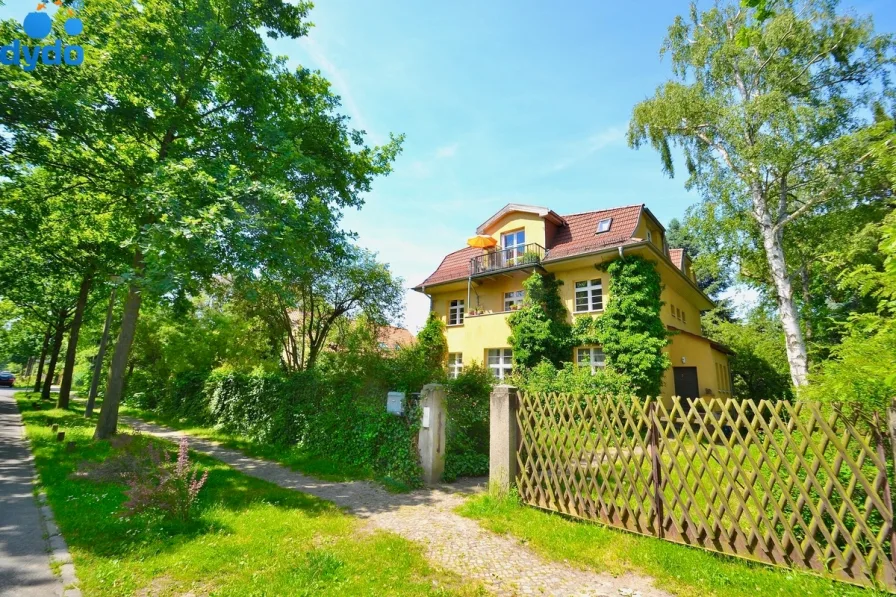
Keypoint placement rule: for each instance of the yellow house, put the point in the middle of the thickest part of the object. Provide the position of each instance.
(473, 290)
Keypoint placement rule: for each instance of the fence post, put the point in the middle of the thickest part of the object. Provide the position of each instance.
(503, 432)
(891, 427)
(431, 439)
(656, 477)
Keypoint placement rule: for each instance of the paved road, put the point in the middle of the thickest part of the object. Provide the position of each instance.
(24, 561)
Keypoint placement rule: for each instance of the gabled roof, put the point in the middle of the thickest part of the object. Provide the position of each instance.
(542, 212)
(677, 257)
(577, 237)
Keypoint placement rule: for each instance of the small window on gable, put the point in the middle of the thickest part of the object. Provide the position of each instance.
(649, 236)
(604, 225)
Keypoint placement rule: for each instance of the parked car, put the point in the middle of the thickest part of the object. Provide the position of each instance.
(7, 379)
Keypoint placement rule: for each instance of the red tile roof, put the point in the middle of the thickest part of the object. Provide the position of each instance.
(453, 267)
(394, 337)
(580, 234)
(578, 237)
(677, 257)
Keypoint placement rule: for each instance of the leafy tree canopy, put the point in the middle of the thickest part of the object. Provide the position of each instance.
(770, 104)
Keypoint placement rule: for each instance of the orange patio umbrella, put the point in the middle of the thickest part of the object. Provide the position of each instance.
(481, 241)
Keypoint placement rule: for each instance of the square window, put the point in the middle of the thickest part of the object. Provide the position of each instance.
(604, 225)
(513, 300)
(500, 362)
(591, 357)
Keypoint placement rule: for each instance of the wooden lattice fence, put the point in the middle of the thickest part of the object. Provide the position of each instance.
(796, 485)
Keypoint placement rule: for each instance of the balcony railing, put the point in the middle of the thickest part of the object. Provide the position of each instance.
(503, 259)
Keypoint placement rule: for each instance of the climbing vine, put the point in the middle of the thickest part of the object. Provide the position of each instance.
(630, 331)
(540, 330)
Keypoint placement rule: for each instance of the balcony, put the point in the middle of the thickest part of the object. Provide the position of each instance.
(522, 256)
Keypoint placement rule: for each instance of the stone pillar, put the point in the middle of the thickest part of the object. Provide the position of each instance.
(431, 441)
(503, 438)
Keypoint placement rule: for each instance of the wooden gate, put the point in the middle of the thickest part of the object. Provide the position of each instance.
(797, 485)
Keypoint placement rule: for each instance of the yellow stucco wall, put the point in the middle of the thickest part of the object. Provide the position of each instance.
(679, 312)
(531, 223)
(479, 333)
(656, 233)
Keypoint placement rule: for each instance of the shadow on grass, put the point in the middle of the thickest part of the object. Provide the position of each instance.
(89, 513)
(361, 498)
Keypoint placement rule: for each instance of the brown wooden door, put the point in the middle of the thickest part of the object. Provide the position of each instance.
(686, 384)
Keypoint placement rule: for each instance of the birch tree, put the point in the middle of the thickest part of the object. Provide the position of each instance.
(766, 105)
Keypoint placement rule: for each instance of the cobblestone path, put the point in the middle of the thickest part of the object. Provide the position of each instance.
(501, 564)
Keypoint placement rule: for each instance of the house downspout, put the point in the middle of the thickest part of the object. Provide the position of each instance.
(469, 288)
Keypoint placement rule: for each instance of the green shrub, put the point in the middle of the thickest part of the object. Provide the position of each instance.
(466, 443)
(571, 379)
(540, 329)
(185, 397)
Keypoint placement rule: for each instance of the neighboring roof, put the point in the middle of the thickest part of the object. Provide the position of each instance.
(677, 257)
(542, 212)
(392, 336)
(580, 235)
(577, 237)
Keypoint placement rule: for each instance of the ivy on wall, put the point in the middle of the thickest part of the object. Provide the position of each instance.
(630, 331)
(540, 330)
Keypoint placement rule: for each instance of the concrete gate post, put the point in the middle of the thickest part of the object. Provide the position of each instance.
(431, 440)
(503, 438)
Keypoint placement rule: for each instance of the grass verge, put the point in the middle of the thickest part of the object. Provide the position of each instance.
(679, 569)
(249, 537)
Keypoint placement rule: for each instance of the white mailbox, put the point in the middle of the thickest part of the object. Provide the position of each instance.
(395, 403)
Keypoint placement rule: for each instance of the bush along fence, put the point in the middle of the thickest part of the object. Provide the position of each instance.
(790, 484)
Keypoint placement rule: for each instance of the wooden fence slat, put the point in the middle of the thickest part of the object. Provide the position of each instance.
(778, 482)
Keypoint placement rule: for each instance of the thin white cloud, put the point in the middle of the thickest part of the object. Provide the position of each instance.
(446, 151)
(339, 82)
(582, 149)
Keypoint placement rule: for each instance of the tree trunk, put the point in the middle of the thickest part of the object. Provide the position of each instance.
(65, 387)
(54, 354)
(108, 421)
(100, 355)
(43, 358)
(807, 301)
(772, 241)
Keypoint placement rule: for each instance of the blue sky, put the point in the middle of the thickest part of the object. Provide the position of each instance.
(500, 102)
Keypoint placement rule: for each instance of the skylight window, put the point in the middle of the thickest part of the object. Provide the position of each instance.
(604, 225)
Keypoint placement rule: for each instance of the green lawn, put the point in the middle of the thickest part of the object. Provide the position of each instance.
(676, 568)
(291, 456)
(250, 537)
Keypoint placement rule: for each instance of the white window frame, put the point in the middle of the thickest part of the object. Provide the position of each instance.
(596, 359)
(649, 236)
(514, 297)
(455, 364)
(503, 364)
(512, 252)
(589, 288)
(456, 312)
(604, 225)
